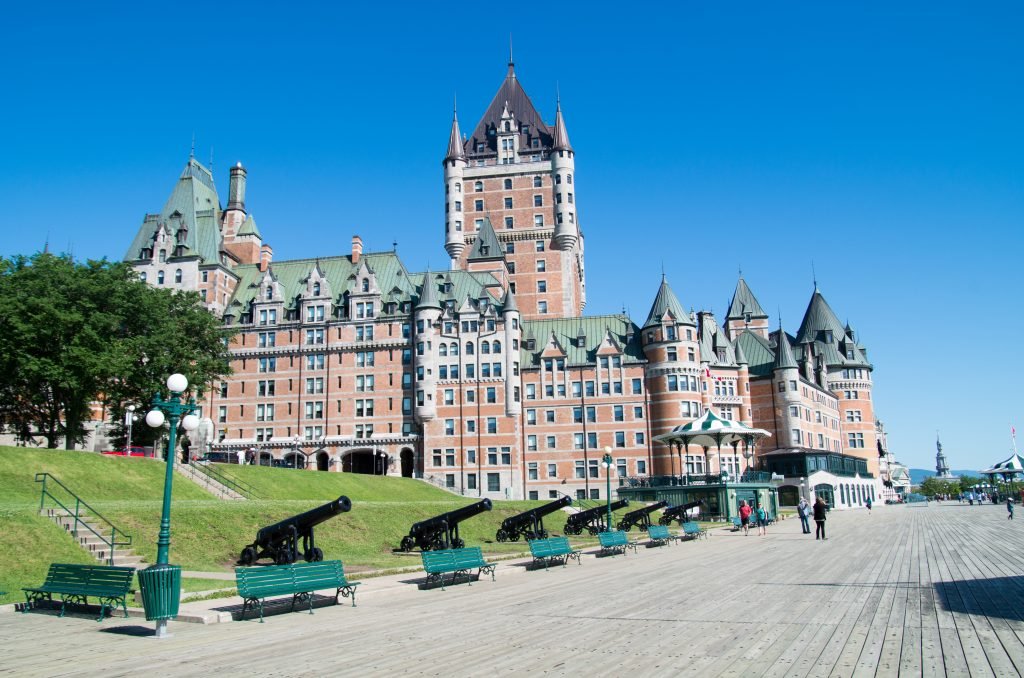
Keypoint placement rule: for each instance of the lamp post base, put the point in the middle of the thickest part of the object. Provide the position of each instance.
(161, 629)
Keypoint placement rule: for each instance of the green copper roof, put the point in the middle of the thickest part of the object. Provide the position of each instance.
(596, 329)
(818, 324)
(759, 354)
(743, 302)
(486, 245)
(509, 303)
(192, 204)
(249, 227)
(428, 293)
(783, 352)
(666, 301)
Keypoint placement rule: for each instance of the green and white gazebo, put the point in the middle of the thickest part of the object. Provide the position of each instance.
(710, 430)
(1008, 469)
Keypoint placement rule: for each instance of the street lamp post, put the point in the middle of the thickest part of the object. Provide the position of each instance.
(607, 463)
(129, 419)
(161, 583)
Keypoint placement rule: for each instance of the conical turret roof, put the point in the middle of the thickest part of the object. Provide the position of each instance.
(665, 301)
(743, 302)
(783, 352)
(509, 304)
(818, 318)
(456, 151)
(512, 95)
(741, 357)
(561, 142)
(428, 293)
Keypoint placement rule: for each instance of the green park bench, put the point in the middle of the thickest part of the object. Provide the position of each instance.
(255, 584)
(615, 541)
(661, 535)
(77, 583)
(553, 548)
(692, 530)
(457, 561)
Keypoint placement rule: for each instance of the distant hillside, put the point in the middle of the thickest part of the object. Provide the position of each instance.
(917, 475)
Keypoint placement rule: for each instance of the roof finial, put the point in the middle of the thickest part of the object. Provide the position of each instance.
(510, 61)
(558, 96)
(211, 159)
(741, 270)
(192, 153)
(814, 276)
(455, 104)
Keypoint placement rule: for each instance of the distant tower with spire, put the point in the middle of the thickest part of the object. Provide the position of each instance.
(941, 467)
(517, 175)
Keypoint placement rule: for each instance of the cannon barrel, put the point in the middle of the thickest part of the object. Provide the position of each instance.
(304, 521)
(451, 518)
(515, 521)
(639, 516)
(678, 512)
(578, 520)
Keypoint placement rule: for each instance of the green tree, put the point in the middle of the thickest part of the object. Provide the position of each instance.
(85, 335)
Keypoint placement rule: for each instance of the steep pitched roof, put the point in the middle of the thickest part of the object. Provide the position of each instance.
(596, 330)
(249, 227)
(428, 293)
(486, 246)
(194, 204)
(783, 352)
(819, 320)
(759, 354)
(664, 301)
(743, 302)
(519, 104)
(509, 303)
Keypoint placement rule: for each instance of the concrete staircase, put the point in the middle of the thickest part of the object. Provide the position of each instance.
(211, 485)
(86, 537)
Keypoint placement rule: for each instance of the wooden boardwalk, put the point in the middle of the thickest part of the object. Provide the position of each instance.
(906, 591)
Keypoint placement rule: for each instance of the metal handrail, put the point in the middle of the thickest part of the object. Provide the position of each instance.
(231, 482)
(112, 543)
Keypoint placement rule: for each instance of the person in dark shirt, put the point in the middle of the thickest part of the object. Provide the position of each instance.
(819, 518)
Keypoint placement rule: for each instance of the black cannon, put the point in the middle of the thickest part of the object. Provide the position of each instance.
(678, 512)
(442, 532)
(640, 517)
(592, 519)
(530, 524)
(280, 541)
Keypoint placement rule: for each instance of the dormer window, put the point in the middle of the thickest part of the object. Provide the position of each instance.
(316, 289)
(269, 293)
(485, 250)
(366, 285)
(828, 336)
(670, 332)
(163, 256)
(508, 126)
(746, 318)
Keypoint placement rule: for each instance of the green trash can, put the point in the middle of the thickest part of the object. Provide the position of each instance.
(161, 591)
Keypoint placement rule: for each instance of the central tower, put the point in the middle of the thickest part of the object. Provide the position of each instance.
(518, 174)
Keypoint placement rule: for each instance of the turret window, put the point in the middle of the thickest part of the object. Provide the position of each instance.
(558, 179)
(458, 187)
(568, 178)
(570, 198)
(458, 205)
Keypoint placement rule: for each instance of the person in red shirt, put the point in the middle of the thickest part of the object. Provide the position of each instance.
(745, 512)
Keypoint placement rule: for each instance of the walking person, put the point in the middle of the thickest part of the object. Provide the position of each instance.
(819, 519)
(745, 512)
(867, 503)
(1009, 508)
(803, 510)
(762, 521)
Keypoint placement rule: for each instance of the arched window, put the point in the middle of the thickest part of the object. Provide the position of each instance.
(469, 348)
(366, 284)
(270, 292)
(316, 289)
(508, 184)
(177, 276)
(442, 350)
(568, 178)
(453, 349)
(163, 256)
(160, 278)
(478, 186)
(508, 126)
(485, 347)
(142, 276)
(496, 347)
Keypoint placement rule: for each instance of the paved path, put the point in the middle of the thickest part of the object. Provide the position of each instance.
(905, 591)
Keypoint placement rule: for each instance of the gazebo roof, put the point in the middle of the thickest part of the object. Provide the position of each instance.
(711, 430)
(1013, 465)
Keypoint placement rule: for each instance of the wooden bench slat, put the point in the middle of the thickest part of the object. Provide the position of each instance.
(255, 584)
(77, 583)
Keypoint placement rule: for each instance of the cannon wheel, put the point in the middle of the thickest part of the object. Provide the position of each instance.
(313, 555)
(281, 557)
(248, 556)
(458, 543)
(501, 535)
(593, 530)
(407, 543)
(572, 529)
(514, 536)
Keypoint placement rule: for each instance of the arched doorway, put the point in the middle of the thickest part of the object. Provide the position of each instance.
(295, 460)
(322, 461)
(266, 459)
(362, 461)
(825, 492)
(408, 463)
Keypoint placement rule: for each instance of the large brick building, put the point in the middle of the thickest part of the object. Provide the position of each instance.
(487, 377)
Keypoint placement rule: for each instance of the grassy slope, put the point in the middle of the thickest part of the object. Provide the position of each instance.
(208, 534)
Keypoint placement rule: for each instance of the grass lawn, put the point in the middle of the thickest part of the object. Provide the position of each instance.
(283, 483)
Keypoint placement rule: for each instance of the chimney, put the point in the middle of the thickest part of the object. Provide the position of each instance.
(266, 256)
(357, 248)
(236, 188)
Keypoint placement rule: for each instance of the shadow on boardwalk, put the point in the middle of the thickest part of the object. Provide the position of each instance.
(995, 597)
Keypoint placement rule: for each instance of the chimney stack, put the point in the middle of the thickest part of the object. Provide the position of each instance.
(236, 188)
(266, 256)
(357, 248)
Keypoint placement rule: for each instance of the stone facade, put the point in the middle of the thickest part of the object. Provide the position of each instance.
(487, 378)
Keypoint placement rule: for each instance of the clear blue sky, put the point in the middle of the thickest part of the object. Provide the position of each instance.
(882, 142)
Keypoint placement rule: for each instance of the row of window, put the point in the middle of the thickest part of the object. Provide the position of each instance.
(819, 418)
(538, 182)
(160, 275)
